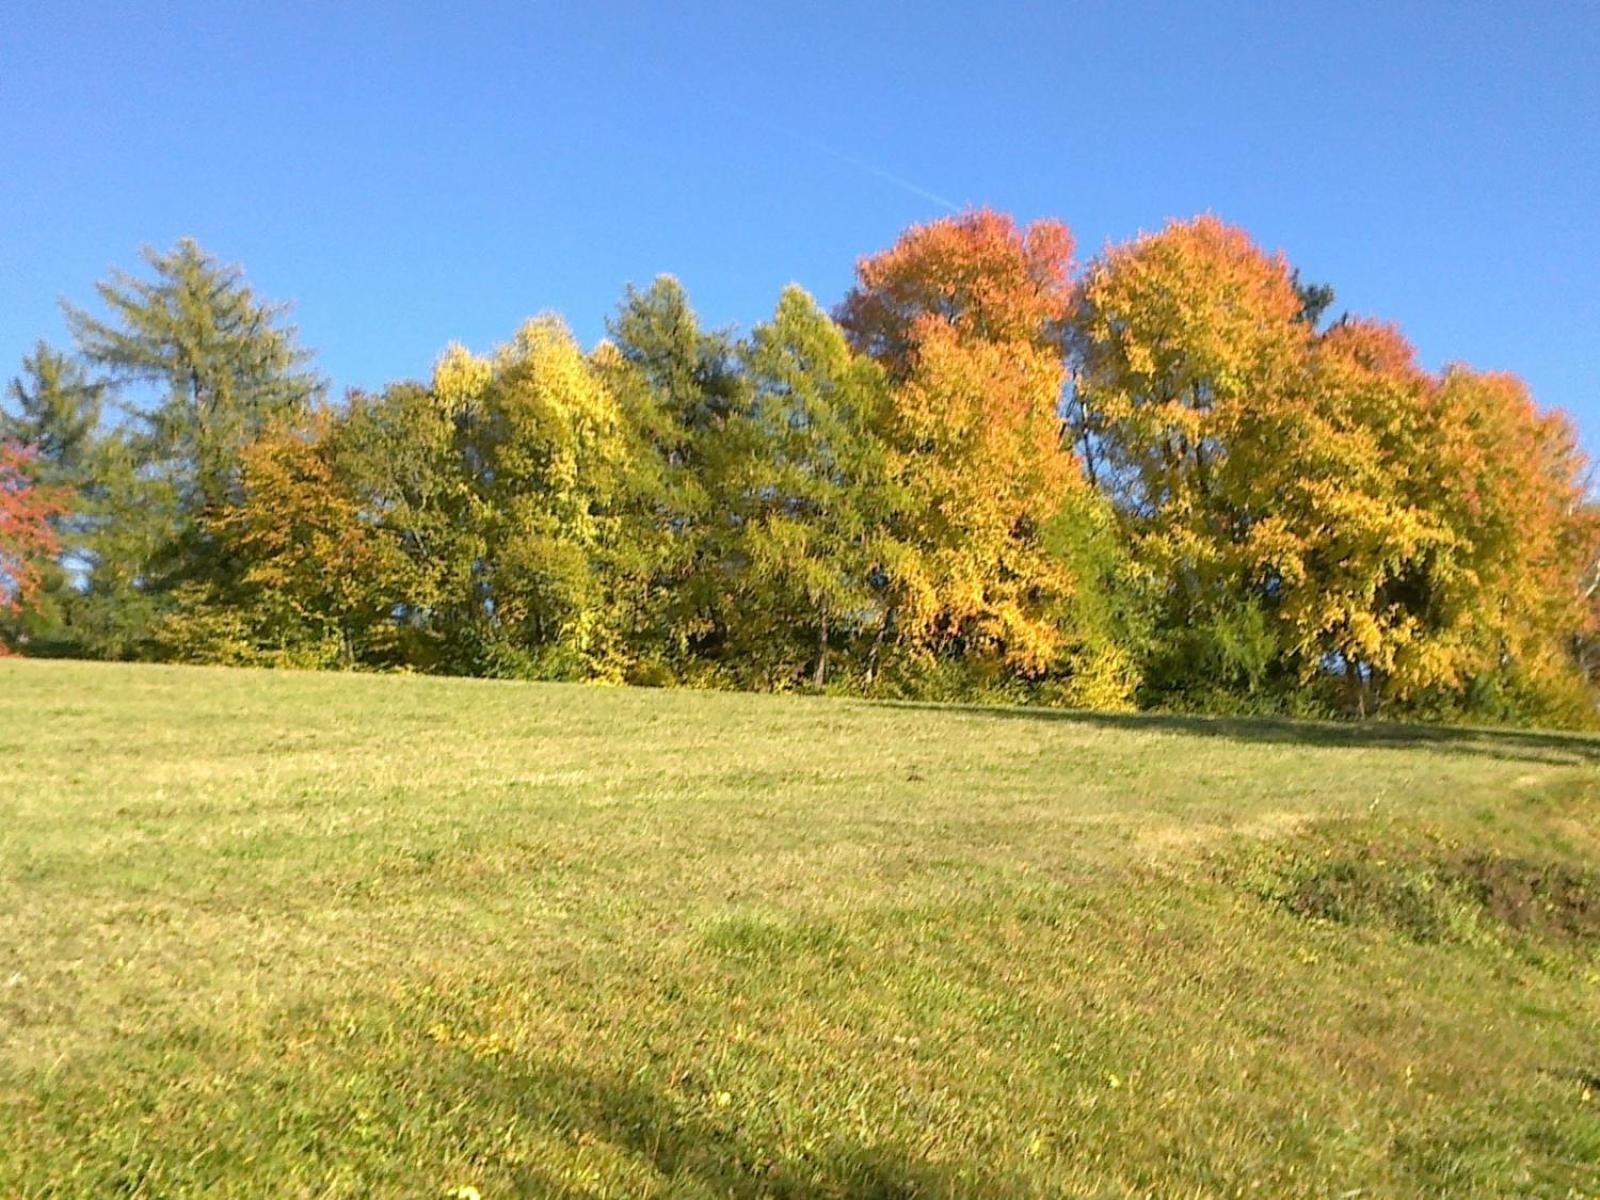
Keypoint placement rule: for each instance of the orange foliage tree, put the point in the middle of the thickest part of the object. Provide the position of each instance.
(317, 581)
(965, 314)
(27, 537)
(1318, 506)
(1502, 599)
(1184, 344)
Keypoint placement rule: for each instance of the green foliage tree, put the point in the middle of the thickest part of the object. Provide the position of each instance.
(1316, 299)
(401, 454)
(815, 504)
(547, 448)
(54, 408)
(680, 388)
(198, 368)
(223, 364)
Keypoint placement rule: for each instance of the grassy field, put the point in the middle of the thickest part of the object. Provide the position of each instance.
(320, 935)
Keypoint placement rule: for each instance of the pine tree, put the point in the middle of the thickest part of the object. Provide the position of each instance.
(202, 368)
(680, 387)
(56, 411)
(814, 500)
(222, 361)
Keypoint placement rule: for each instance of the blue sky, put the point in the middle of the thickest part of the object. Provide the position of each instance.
(410, 174)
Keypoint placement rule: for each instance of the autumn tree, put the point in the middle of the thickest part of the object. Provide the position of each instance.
(547, 448)
(1499, 602)
(318, 581)
(1183, 341)
(1177, 477)
(1584, 532)
(1318, 509)
(1262, 466)
(1334, 529)
(27, 539)
(977, 275)
(54, 408)
(964, 314)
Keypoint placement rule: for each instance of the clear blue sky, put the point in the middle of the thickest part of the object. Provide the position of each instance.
(410, 174)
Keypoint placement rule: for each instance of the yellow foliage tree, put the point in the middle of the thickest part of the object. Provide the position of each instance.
(546, 447)
(964, 314)
(1405, 534)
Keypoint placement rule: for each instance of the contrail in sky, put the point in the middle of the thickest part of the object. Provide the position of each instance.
(862, 165)
(880, 173)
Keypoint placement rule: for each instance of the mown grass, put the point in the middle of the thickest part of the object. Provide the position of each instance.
(318, 935)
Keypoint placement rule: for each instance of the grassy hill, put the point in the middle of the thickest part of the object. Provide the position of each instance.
(280, 934)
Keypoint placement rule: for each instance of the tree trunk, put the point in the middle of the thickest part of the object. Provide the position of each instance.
(822, 650)
(1358, 688)
(877, 641)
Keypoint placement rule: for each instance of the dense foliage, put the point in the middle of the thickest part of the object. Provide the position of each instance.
(1163, 479)
(27, 536)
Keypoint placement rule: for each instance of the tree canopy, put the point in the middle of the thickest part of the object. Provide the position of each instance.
(1171, 477)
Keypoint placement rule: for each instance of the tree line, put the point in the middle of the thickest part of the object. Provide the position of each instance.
(1167, 479)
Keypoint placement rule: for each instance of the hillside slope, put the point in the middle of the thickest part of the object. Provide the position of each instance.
(279, 934)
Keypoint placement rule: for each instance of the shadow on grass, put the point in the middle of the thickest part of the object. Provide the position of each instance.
(1517, 745)
(692, 1147)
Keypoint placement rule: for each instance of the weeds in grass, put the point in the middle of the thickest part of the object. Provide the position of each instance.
(1423, 884)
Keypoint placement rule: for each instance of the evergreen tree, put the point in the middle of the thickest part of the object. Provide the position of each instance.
(679, 387)
(222, 362)
(204, 368)
(55, 409)
(814, 500)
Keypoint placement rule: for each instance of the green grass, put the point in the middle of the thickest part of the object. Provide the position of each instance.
(321, 935)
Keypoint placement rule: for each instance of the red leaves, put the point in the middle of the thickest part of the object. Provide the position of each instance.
(27, 539)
